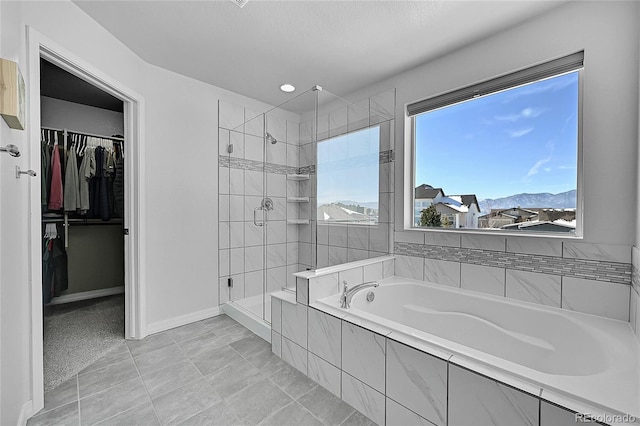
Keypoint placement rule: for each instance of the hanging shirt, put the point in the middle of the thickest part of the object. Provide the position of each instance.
(56, 193)
(71, 183)
(87, 171)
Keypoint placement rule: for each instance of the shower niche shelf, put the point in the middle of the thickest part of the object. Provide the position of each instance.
(298, 177)
(297, 221)
(297, 199)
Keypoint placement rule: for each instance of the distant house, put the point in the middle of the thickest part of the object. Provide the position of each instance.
(338, 214)
(459, 211)
(543, 226)
(424, 197)
(498, 218)
(503, 218)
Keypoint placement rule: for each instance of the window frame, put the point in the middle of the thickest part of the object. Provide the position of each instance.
(410, 155)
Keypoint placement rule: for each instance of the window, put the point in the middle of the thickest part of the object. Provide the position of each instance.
(347, 177)
(502, 154)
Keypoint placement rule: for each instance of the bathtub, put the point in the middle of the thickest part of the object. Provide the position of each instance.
(569, 355)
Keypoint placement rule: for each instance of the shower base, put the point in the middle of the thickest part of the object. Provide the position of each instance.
(248, 312)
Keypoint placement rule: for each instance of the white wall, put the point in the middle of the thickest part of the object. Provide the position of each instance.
(81, 118)
(180, 184)
(608, 32)
(637, 236)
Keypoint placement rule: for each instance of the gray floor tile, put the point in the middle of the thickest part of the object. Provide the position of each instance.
(358, 419)
(65, 393)
(257, 402)
(149, 343)
(61, 416)
(215, 359)
(234, 377)
(326, 406)
(189, 331)
(202, 344)
(99, 380)
(112, 401)
(267, 362)
(160, 358)
(142, 415)
(293, 414)
(293, 382)
(250, 345)
(182, 403)
(219, 414)
(169, 378)
(119, 353)
(234, 333)
(219, 322)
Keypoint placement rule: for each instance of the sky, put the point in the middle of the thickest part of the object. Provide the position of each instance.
(522, 140)
(348, 167)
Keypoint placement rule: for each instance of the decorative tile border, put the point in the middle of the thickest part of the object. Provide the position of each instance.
(257, 166)
(635, 278)
(579, 268)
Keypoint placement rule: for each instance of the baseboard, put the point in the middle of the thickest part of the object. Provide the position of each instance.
(85, 295)
(170, 323)
(26, 413)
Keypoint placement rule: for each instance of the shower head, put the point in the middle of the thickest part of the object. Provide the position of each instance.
(269, 138)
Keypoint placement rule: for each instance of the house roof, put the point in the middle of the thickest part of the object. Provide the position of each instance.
(336, 213)
(557, 226)
(467, 200)
(454, 207)
(427, 191)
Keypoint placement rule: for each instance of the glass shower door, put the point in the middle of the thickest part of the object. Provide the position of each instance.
(256, 215)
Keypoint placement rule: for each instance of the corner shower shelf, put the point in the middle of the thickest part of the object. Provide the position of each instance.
(297, 221)
(297, 199)
(298, 177)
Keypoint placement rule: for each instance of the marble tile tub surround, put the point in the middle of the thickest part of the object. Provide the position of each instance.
(395, 379)
(589, 278)
(314, 285)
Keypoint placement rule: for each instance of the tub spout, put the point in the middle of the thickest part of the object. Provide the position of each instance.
(347, 293)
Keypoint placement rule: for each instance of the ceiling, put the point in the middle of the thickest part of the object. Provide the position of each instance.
(60, 84)
(339, 45)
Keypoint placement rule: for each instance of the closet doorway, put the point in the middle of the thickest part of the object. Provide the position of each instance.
(129, 224)
(82, 199)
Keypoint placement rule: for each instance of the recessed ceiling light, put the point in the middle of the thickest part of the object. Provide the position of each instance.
(287, 88)
(240, 3)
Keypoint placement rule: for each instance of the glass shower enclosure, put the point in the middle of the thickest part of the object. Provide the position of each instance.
(271, 223)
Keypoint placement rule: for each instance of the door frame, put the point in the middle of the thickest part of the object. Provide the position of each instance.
(134, 131)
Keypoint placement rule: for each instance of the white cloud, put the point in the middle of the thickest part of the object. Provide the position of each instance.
(520, 133)
(553, 84)
(536, 167)
(525, 113)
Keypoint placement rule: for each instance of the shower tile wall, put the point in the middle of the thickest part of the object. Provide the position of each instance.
(241, 185)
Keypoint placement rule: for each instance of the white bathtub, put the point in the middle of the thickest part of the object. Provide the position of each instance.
(585, 358)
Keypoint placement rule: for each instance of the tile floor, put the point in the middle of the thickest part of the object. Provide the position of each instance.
(212, 372)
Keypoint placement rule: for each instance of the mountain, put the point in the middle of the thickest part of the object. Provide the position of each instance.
(367, 204)
(563, 200)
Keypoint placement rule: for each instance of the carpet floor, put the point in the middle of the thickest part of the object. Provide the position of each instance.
(77, 334)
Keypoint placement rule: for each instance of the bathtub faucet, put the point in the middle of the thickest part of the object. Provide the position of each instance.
(347, 294)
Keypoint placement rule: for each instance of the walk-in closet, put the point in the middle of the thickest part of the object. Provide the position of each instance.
(83, 260)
